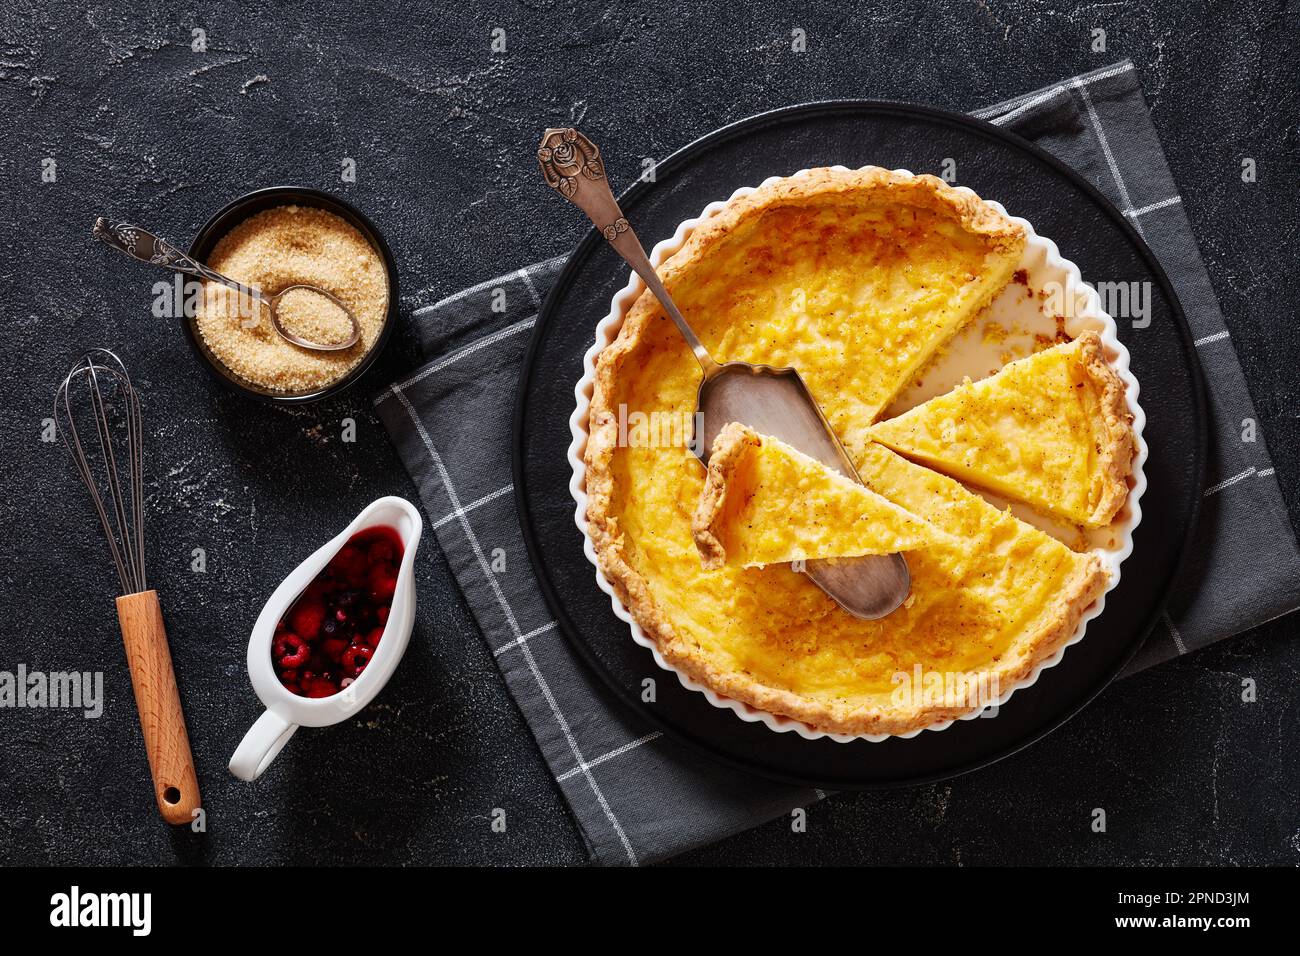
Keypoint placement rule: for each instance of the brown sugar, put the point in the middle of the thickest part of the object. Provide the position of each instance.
(277, 248)
(309, 315)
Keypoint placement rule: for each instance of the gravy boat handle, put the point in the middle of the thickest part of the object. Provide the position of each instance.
(263, 742)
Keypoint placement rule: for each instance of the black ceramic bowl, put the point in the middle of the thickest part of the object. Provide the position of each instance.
(235, 212)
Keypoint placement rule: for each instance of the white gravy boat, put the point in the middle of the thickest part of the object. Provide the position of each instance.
(285, 710)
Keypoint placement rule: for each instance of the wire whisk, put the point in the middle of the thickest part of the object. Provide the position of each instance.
(97, 414)
(100, 385)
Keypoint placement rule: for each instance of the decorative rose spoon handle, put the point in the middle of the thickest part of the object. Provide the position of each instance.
(572, 166)
(154, 250)
(144, 245)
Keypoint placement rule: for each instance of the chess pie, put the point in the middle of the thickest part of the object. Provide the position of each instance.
(766, 503)
(857, 278)
(1052, 430)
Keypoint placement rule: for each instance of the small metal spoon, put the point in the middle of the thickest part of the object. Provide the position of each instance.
(773, 401)
(145, 246)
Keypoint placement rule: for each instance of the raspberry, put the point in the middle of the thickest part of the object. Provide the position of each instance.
(382, 584)
(320, 687)
(329, 636)
(383, 552)
(349, 564)
(356, 658)
(305, 618)
(290, 651)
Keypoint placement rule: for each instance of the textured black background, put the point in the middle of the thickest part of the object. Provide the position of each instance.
(442, 131)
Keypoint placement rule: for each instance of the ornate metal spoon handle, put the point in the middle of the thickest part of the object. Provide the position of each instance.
(143, 245)
(572, 166)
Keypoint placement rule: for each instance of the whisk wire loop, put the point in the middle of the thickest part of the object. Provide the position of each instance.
(97, 372)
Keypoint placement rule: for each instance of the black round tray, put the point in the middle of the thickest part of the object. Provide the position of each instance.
(997, 165)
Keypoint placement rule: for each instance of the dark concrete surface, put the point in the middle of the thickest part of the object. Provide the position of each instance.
(442, 130)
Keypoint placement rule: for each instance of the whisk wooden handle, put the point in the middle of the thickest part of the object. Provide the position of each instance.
(159, 702)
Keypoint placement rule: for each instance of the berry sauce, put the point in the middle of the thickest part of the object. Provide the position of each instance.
(328, 636)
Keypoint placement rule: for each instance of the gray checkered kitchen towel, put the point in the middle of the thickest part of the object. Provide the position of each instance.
(639, 797)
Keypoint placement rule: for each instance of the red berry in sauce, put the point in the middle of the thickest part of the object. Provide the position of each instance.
(289, 651)
(355, 659)
(349, 564)
(383, 581)
(320, 687)
(305, 618)
(328, 636)
(334, 648)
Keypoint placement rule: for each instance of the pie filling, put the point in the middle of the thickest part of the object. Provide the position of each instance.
(855, 278)
(1051, 430)
(767, 503)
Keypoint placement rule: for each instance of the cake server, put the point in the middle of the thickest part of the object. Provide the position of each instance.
(97, 414)
(772, 401)
(156, 251)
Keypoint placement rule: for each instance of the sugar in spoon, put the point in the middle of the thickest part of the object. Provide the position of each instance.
(772, 401)
(148, 248)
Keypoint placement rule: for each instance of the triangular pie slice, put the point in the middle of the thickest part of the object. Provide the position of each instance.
(765, 503)
(1052, 431)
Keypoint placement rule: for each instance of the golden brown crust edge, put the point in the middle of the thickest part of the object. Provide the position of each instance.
(628, 585)
(1080, 591)
(728, 449)
(1118, 444)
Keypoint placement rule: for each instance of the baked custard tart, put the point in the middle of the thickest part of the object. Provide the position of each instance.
(857, 278)
(767, 503)
(1052, 431)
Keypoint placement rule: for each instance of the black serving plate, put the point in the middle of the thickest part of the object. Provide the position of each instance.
(996, 164)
